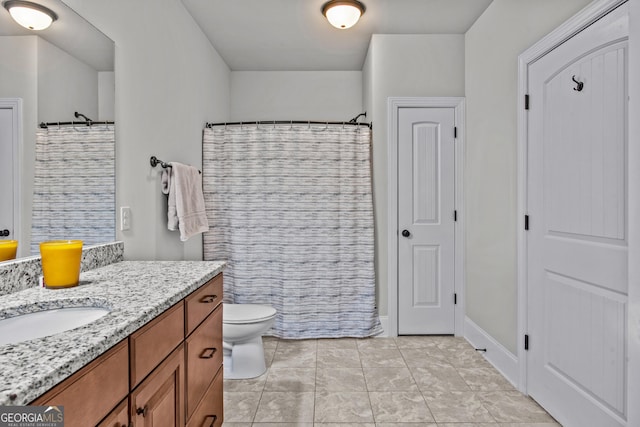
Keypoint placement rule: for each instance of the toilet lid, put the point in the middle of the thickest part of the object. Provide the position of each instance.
(246, 313)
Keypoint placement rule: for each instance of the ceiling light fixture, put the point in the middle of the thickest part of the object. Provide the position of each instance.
(30, 15)
(343, 14)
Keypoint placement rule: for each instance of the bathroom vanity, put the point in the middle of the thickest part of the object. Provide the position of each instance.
(156, 355)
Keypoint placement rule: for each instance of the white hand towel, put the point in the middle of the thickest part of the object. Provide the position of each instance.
(186, 201)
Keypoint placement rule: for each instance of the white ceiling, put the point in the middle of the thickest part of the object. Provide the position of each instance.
(70, 32)
(263, 35)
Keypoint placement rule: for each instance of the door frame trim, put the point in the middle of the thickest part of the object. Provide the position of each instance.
(581, 20)
(393, 105)
(15, 105)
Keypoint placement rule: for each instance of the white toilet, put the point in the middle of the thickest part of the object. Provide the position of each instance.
(242, 329)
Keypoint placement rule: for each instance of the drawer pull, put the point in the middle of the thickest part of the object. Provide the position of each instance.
(207, 299)
(214, 418)
(142, 411)
(208, 353)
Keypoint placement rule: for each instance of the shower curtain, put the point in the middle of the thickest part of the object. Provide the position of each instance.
(74, 184)
(290, 209)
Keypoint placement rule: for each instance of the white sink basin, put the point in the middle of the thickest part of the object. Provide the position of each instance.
(47, 322)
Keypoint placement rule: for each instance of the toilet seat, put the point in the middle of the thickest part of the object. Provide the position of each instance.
(239, 314)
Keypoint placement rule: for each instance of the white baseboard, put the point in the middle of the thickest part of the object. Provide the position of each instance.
(384, 321)
(501, 358)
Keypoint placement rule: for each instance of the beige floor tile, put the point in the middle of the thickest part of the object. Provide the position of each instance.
(467, 425)
(382, 358)
(513, 407)
(291, 379)
(424, 357)
(466, 358)
(294, 357)
(451, 342)
(276, 407)
(297, 344)
(372, 344)
(339, 358)
(252, 384)
(270, 342)
(417, 342)
(407, 425)
(529, 425)
(279, 424)
(456, 407)
(485, 379)
(341, 343)
(399, 407)
(232, 424)
(439, 378)
(344, 425)
(389, 379)
(341, 407)
(240, 406)
(340, 379)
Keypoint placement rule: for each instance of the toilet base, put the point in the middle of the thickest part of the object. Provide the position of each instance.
(244, 360)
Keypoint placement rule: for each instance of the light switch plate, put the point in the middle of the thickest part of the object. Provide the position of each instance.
(125, 218)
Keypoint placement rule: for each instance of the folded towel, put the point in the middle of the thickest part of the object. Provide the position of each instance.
(186, 210)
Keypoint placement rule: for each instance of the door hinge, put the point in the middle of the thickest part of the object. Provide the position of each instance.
(526, 102)
(455, 299)
(455, 131)
(526, 342)
(526, 222)
(455, 216)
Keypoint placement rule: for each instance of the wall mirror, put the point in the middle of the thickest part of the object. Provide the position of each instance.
(47, 76)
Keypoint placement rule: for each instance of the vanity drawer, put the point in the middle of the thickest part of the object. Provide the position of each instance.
(210, 411)
(204, 358)
(91, 393)
(154, 341)
(202, 302)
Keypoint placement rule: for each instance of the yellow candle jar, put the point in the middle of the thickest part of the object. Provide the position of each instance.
(8, 249)
(61, 263)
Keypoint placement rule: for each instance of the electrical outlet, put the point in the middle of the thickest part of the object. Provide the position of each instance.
(125, 218)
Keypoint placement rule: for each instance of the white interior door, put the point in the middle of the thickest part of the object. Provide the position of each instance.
(6, 173)
(426, 203)
(577, 241)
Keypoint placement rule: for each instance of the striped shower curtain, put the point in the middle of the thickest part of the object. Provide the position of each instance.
(74, 185)
(290, 209)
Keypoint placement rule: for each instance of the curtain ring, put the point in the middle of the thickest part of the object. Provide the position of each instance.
(274, 125)
(257, 125)
(326, 126)
(342, 125)
(308, 124)
(291, 128)
(240, 125)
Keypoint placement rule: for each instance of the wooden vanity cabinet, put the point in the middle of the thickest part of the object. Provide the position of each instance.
(168, 373)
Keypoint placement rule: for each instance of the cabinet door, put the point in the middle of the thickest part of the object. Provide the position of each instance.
(159, 400)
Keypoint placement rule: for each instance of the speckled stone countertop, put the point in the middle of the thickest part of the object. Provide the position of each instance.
(135, 291)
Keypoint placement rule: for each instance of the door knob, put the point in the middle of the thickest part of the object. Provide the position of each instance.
(4, 233)
(406, 233)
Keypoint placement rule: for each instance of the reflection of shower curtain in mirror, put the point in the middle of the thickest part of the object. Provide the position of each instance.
(74, 185)
(290, 209)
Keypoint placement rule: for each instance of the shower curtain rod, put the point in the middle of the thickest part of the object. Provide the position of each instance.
(44, 125)
(287, 122)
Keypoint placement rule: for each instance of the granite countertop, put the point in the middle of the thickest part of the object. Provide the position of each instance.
(135, 292)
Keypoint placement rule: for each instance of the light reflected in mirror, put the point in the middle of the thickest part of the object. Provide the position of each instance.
(46, 76)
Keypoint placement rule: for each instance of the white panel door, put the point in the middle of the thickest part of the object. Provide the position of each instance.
(577, 241)
(6, 173)
(426, 199)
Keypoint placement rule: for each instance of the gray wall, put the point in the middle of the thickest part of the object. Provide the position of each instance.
(403, 65)
(492, 46)
(169, 82)
(295, 95)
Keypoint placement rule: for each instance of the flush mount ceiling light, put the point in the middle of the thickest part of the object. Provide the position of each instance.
(343, 14)
(30, 15)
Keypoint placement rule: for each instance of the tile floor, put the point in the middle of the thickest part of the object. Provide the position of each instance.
(383, 382)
